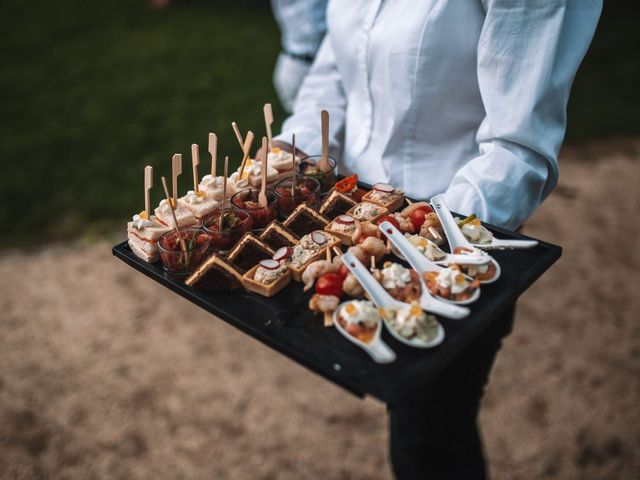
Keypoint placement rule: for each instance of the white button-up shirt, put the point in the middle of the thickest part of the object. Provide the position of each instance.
(465, 97)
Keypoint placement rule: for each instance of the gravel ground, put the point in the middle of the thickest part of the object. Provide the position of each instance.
(104, 374)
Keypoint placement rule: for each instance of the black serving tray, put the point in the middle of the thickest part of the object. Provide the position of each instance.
(285, 323)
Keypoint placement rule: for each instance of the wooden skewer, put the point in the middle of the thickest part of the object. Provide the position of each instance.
(236, 130)
(183, 246)
(324, 160)
(268, 120)
(409, 201)
(176, 171)
(195, 161)
(388, 245)
(148, 184)
(328, 319)
(213, 151)
(293, 168)
(337, 251)
(224, 192)
(435, 233)
(262, 196)
(373, 262)
(328, 254)
(248, 141)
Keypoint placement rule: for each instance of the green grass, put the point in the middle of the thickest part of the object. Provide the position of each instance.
(93, 91)
(92, 94)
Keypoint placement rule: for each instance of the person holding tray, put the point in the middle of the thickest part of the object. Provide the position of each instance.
(467, 99)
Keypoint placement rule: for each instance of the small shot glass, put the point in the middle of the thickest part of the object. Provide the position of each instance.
(235, 224)
(308, 166)
(181, 263)
(307, 190)
(247, 201)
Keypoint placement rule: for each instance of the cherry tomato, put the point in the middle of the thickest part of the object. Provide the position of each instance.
(417, 216)
(343, 271)
(329, 284)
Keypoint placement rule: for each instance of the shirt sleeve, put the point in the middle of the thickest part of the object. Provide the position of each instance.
(321, 89)
(528, 55)
(302, 23)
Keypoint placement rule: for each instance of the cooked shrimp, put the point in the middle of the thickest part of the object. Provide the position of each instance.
(325, 304)
(358, 252)
(405, 223)
(365, 229)
(374, 246)
(315, 269)
(351, 286)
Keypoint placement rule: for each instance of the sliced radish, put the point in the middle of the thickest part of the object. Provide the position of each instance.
(383, 187)
(282, 253)
(345, 219)
(319, 238)
(269, 264)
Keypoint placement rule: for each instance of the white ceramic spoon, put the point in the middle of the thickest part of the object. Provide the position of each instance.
(449, 258)
(376, 348)
(455, 237)
(506, 244)
(381, 298)
(422, 264)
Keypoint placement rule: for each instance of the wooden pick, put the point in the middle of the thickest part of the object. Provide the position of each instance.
(337, 251)
(262, 196)
(213, 151)
(328, 319)
(328, 254)
(195, 161)
(236, 130)
(148, 184)
(268, 120)
(324, 160)
(246, 148)
(408, 201)
(176, 171)
(224, 192)
(293, 168)
(183, 246)
(373, 262)
(435, 233)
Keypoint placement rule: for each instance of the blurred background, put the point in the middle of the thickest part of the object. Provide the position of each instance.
(103, 375)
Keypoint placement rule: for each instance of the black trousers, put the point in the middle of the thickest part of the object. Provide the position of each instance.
(433, 432)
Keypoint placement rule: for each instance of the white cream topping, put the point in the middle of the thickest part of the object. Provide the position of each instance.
(278, 158)
(395, 275)
(209, 181)
(193, 198)
(453, 279)
(360, 312)
(140, 223)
